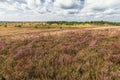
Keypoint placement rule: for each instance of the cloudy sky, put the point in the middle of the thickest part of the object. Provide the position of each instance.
(59, 10)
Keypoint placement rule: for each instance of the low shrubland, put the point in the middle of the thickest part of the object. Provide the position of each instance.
(75, 54)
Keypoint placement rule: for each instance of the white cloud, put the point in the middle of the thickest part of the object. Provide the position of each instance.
(33, 3)
(60, 9)
(67, 4)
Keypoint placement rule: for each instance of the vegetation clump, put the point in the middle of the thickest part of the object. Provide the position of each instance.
(19, 26)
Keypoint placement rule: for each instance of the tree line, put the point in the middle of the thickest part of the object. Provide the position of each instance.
(87, 22)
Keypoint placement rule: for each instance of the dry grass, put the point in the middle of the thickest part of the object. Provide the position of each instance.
(60, 54)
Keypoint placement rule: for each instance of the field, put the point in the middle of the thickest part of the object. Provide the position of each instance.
(87, 53)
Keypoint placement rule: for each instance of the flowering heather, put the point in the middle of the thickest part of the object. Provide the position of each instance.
(23, 53)
(60, 54)
(82, 40)
(93, 43)
(116, 45)
(65, 47)
(64, 59)
(1, 46)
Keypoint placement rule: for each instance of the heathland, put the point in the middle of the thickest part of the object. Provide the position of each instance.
(59, 51)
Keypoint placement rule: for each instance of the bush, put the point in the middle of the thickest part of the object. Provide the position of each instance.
(18, 26)
(5, 25)
(36, 26)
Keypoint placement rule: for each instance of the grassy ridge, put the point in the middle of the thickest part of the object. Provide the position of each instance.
(79, 54)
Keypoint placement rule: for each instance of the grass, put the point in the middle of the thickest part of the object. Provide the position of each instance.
(59, 54)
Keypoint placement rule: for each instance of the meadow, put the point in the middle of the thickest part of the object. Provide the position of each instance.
(59, 52)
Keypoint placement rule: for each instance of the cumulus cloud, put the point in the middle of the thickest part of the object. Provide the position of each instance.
(67, 4)
(60, 9)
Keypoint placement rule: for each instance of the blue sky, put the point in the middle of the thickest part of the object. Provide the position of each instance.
(59, 10)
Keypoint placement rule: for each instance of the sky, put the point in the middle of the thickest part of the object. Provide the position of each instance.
(60, 10)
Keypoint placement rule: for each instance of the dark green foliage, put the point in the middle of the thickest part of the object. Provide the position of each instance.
(36, 26)
(5, 25)
(90, 22)
(19, 26)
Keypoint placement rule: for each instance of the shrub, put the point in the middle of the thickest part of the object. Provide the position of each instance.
(18, 26)
(36, 26)
(5, 25)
